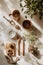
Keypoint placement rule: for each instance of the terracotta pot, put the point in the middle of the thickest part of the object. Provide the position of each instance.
(26, 24)
(16, 15)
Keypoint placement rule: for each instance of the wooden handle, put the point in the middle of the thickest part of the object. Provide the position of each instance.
(19, 40)
(14, 49)
(23, 48)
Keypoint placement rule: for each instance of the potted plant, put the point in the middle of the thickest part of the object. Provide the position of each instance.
(34, 7)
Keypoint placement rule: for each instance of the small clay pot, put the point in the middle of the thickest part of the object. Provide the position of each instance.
(16, 15)
(26, 24)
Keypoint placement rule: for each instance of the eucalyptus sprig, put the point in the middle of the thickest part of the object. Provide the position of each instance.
(31, 37)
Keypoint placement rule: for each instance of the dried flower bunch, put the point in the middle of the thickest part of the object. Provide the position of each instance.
(34, 50)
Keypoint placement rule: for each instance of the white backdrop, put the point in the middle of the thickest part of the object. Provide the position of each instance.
(6, 6)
